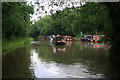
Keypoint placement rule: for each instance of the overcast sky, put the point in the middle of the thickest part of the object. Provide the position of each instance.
(47, 7)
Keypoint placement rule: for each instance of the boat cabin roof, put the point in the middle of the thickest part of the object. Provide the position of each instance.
(59, 38)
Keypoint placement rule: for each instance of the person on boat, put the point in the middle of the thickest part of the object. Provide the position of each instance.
(57, 35)
(54, 38)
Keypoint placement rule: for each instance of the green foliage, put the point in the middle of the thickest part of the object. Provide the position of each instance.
(72, 21)
(7, 45)
(15, 19)
(112, 29)
(41, 27)
(79, 36)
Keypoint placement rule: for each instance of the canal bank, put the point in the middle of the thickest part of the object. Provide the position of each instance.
(8, 45)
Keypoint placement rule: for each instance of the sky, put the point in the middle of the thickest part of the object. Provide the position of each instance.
(48, 7)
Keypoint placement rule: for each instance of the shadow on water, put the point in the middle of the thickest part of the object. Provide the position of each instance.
(40, 59)
(15, 64)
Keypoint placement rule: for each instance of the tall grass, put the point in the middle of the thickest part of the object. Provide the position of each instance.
(10, 44)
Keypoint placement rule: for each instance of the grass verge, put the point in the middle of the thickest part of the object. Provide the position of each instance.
(8, 45)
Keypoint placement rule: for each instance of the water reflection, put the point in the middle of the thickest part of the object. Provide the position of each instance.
(41, 59)
(69, 43)
(64, 59)
(90, 45)
(15, 64)
(54, 70)
(58, 49)
(42, 69)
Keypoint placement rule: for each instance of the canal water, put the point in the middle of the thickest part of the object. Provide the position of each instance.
(42, 59)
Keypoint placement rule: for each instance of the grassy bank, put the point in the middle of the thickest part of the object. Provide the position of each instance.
(8, 45)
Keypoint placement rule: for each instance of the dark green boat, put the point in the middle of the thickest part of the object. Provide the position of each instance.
(60, 40)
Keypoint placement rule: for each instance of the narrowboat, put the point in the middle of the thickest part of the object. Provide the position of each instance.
(68, 38)
(60, 40)
(86, 38)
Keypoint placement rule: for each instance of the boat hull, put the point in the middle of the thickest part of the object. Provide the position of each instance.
(60, 43)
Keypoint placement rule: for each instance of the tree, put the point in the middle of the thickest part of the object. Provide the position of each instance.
(15, 19)
(112, 29)
(71, 21)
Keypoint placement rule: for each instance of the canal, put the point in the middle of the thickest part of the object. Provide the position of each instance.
(42, 59)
